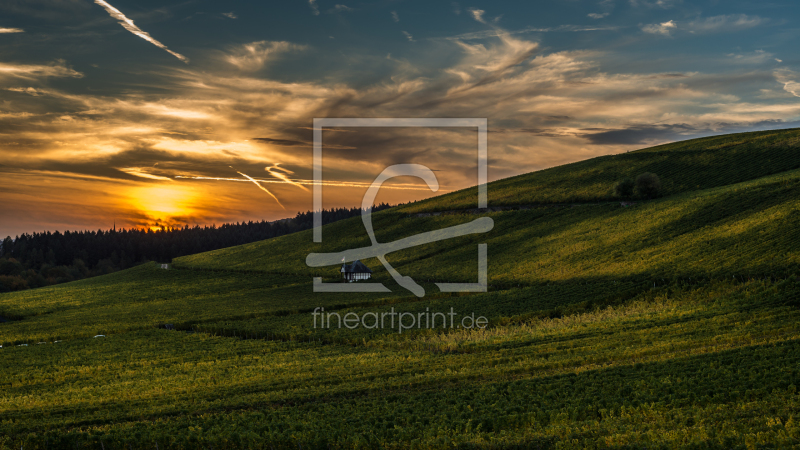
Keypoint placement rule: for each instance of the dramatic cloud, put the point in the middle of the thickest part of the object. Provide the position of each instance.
(11, 30)
(130, 26)
(162, 148)
(660, 28)
(484, 65)
(562, 99)
(253, 56)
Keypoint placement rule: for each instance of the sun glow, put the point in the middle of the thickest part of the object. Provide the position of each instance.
(163, 205)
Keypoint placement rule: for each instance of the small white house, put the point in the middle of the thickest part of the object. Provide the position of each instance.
(356, 271)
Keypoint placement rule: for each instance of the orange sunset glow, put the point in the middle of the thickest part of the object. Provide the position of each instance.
(163, 204)
(147, 132)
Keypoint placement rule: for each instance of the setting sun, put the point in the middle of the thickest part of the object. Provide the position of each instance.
(165, 205)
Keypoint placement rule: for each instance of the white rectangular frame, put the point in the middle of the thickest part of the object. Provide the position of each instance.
(320, 123)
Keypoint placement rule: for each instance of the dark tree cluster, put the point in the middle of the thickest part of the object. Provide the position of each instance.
(41, 259)
(646, 185)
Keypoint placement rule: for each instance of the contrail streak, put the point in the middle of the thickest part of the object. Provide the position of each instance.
(130, 26)
(282, 176)
(409, 187)
(262, 188)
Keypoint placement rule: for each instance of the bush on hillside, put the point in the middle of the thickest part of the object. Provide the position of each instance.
(648, 185)
(625, 188)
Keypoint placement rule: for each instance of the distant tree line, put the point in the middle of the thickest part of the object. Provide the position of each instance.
(42, 259)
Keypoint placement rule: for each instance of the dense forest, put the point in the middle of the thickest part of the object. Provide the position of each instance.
(41, 259)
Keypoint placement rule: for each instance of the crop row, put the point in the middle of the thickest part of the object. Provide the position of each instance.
(730, 399)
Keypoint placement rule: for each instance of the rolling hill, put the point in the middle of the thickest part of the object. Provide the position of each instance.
(668, 323)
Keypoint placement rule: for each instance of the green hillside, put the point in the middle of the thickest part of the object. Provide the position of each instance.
(683, 166)
(671, 323)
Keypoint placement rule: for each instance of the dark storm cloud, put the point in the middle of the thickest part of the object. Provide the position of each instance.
(637, 134)
(647, 134)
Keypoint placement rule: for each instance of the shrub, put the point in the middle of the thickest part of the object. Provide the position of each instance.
(648, 185)
(625, 188)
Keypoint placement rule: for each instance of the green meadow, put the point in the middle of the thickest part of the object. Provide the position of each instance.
(671, 322)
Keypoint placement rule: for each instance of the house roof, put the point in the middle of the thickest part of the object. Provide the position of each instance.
(356, 267)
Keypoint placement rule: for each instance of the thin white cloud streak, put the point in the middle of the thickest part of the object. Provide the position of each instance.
(138, 172)
(30, 71)
(663, 4)
(130, 26)
(724, 23)
(262, 188)
(340, 8)
(314, 7)
(716, 24)
(597, 15)
(395, 17)
(11, 30)
(497, 32)
(757, 57)
(404, 187)
(408, 36)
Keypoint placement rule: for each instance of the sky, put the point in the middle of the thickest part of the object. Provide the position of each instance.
(197, 112)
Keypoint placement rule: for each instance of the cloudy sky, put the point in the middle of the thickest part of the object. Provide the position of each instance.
(149, 113)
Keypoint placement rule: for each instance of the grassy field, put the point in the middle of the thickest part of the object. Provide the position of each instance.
(683, 166)
(672, 323)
